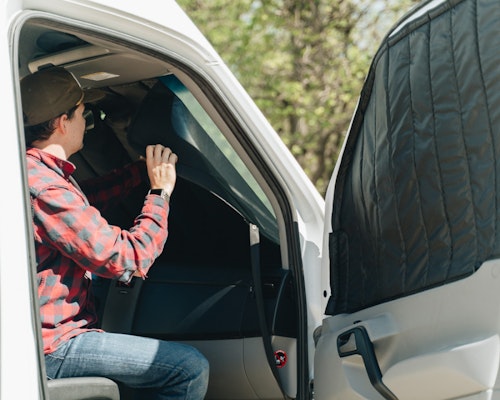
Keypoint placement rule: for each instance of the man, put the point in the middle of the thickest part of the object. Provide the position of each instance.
(73, 241)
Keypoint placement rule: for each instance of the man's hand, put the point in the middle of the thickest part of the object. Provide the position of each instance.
(160, 162)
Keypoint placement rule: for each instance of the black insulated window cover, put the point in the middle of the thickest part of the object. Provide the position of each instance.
(417, 196)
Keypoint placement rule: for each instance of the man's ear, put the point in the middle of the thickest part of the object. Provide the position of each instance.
(61, 122)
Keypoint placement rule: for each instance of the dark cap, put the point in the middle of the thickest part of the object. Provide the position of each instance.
(48, 93)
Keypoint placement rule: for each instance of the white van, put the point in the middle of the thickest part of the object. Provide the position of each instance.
(388, 290)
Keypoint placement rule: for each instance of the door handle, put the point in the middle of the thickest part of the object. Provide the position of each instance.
(356, 341)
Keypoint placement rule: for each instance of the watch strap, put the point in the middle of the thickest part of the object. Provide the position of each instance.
(160, 192)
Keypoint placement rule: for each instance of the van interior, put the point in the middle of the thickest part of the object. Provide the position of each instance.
(217, 285)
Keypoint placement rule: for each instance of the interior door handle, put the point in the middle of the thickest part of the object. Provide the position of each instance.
(357, 341)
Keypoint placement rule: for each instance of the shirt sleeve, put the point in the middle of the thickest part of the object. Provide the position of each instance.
(102, 192)
(78, 231)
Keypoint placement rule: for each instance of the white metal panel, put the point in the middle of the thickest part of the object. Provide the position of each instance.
(470, 368)
(18, 347)
(456, 322)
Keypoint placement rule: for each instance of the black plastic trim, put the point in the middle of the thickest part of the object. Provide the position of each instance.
(363, 346)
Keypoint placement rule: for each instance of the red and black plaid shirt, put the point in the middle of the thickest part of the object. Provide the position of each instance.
(73, 240)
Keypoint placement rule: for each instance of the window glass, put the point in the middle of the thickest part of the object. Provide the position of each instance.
(231, 179)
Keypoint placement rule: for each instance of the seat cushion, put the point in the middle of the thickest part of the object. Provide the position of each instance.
(84, 388)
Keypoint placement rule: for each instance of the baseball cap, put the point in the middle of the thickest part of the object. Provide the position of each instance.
(50, 92)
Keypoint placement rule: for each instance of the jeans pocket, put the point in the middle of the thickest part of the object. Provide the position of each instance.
(54, 360)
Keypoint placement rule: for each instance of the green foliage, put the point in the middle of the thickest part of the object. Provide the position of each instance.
(303, 62)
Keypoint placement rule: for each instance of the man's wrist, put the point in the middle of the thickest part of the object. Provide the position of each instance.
(160, 192)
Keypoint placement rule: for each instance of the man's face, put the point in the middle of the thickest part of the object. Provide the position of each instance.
(77, 128)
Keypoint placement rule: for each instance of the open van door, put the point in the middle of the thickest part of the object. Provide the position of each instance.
(413, 209)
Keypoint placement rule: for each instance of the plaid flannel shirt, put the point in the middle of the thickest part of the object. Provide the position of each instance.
(73, 240)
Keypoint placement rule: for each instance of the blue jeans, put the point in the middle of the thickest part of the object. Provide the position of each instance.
(160, 369)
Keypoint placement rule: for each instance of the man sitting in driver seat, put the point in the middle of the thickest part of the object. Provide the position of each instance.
(73, 241)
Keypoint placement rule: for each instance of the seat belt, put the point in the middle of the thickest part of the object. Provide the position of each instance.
(259, 298)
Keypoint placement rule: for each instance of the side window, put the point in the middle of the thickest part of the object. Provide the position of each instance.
(210, 173)
(206, 157)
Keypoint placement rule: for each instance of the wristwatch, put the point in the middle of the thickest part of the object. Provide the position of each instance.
(160, 192)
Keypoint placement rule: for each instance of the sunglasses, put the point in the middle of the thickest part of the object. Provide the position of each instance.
(89, 119)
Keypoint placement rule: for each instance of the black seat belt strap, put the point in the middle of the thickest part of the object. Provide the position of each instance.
(259, 298)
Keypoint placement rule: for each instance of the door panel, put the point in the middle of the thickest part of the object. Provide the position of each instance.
(414, 240)
(440, 344)
(466, 369)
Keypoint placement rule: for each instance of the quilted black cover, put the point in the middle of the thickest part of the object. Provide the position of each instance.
(417, 196)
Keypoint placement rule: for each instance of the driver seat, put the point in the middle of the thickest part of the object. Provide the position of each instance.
(83, 388)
